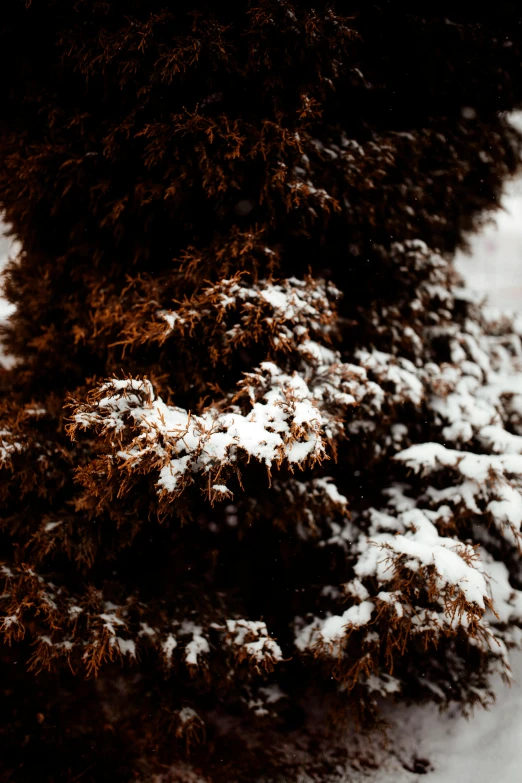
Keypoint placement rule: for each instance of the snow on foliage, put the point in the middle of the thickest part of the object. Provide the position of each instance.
(284, 310)
(101, 630)
(425, 561)
(421, 568)
(284, 423)
(290, 415)
(252, 641)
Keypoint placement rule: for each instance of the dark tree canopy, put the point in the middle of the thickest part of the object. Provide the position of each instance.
(260, 451)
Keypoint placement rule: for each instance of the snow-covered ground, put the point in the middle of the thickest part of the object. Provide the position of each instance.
(494, 266)
(449, 748)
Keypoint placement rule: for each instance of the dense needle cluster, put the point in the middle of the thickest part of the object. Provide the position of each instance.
(260, 451)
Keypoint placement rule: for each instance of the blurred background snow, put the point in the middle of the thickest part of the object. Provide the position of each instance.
(5, 249)
(494, 265)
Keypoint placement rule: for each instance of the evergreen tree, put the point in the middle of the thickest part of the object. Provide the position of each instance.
(261, 453)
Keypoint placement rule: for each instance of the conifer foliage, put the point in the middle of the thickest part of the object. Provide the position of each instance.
(260, 451)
